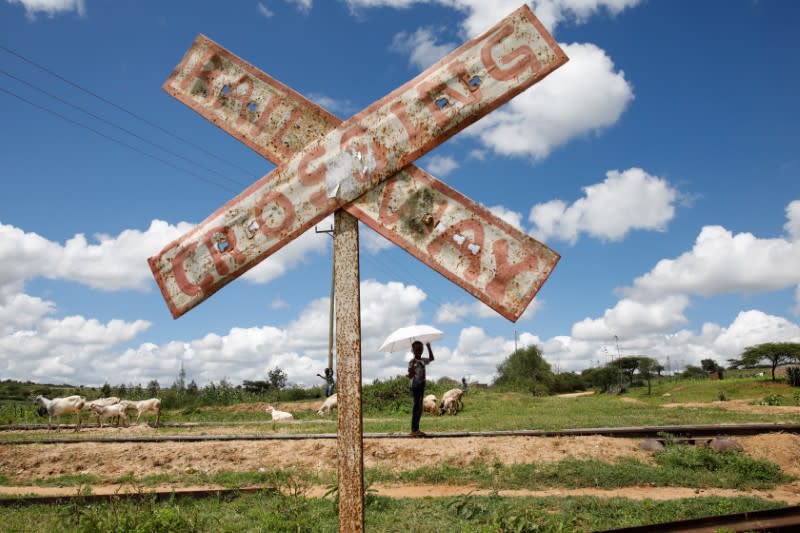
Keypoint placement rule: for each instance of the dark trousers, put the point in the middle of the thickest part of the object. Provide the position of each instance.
(329, 389)
(416, 412)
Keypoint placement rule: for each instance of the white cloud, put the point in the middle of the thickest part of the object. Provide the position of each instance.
(754, 327)
(113, 263)
(585, 95)
(343, 108)
(85, 351)
(451, 313)
(372, 241)
(55, 350)
(421, 47)
(480, 14)
(440, 165)
(609, 210)
(20, 311)
(631, 318)
(293, 254)
(120, 262)
(264, 10)
(51, 8)
(303, 6)
(511, 217)
(721, 262)
(792, 226)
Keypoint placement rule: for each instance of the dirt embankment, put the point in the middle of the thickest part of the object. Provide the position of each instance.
(22, 464)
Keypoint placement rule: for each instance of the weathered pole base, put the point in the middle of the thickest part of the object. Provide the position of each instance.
(350, 442)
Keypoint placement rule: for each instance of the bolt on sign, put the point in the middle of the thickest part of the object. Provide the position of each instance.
(363, 165)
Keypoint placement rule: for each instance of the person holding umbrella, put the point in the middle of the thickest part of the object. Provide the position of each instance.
(416, 373)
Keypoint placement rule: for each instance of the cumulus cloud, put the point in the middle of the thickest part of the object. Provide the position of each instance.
(341, 108)
(440, 165)
(57, 350)
(451, 313)
(119, 262)
(51, 8)
(511, 217)
(721, 262)
(110, 263)
(583, 96)
(87, 351)
(481, 13)
(631, 318)
(609, 210)
(421, 47)
(792, 226)
(293, 254)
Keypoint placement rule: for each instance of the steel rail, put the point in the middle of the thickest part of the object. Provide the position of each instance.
(784, 519)
(684, 433)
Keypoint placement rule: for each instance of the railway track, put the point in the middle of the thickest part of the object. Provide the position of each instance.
(781, 520)
(684, 433)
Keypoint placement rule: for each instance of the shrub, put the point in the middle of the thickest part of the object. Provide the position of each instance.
(793, 376)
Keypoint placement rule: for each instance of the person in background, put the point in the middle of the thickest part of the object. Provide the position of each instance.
(416, 373)
(464, 386)
(328, 377)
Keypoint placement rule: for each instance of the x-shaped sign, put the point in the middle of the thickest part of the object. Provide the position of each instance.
(325, 164)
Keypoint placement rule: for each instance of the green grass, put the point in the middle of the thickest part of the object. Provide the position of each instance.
(677, 466)
(275, 512)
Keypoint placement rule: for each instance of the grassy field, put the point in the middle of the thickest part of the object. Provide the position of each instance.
(757, 400)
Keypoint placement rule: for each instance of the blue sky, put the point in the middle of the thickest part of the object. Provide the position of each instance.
(661, 162)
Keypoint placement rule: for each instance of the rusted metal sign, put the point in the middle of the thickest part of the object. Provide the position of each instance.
(493, 261)
(325, 165)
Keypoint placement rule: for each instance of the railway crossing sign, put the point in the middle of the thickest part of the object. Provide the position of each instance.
(360, 169)
(364, 166)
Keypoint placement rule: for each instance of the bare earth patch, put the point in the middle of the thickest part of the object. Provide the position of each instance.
(22, 464)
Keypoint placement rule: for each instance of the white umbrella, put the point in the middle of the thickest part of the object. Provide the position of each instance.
(402, 338)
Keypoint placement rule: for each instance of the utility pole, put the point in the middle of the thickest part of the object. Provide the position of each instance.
(331, 312)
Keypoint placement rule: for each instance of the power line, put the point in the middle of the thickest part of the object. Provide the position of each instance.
(131, 113)
(117, 141)
(121, 128)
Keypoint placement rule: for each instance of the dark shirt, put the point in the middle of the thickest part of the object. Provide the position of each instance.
(416, 369)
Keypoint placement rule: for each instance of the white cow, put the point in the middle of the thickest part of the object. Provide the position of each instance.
(429, 404)
(451, 402)
(153, 405)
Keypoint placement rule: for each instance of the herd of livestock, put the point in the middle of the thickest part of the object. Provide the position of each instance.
(102, 408)
(113, 408)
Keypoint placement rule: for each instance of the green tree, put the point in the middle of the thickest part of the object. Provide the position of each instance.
(105, 390)
(709, 365)
(628, 365)
(153, 387)
(277, 378)
(647, 366)
(180, 383)
(525, 370)
(777, 353)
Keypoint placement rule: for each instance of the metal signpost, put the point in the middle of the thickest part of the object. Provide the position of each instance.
(360, 169)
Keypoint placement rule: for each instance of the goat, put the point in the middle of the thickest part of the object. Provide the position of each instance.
(153, 405)
(429, 404)
(451, 402)
(110, 411)
(59, 406)
(102, 402)
(279, 416)
(330, 403)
